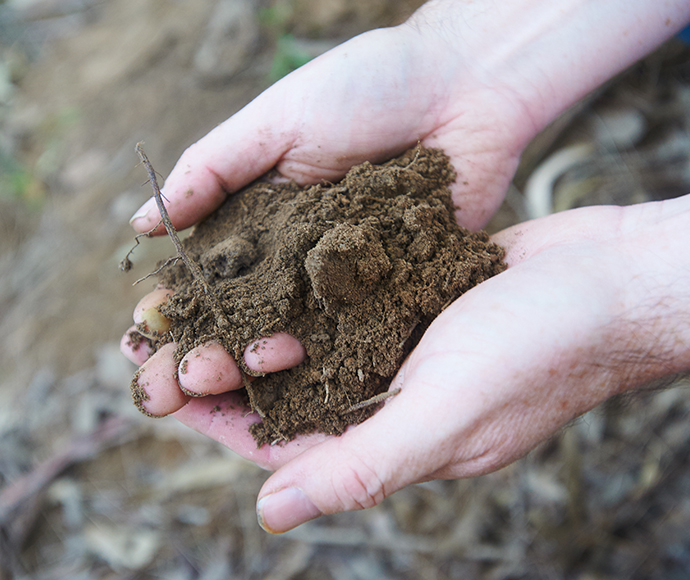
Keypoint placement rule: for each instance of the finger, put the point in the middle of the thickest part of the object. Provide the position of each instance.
(233, 154)
(275, 353)
(150, 301)
(226, 418)
(155, 390)
(208, 370)
(135, 346)
(149, 322)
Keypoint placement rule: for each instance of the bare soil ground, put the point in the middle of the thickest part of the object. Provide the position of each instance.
(91, 489)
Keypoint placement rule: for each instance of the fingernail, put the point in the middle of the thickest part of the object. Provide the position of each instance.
(152, 324)
(285, 509)
(143, 211)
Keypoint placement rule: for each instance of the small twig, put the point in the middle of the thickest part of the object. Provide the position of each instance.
(192, 266)
(126, 263)
(418, 150)
(373, 401)
(168, 262)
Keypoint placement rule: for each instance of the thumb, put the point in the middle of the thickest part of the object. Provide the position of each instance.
(355, 471)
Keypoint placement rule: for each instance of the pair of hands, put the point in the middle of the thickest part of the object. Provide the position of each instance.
(499, 370)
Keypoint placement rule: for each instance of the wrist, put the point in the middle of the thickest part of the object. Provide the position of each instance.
(655, 306)
(624, 274)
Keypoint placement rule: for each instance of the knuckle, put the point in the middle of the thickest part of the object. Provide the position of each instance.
(357, 485)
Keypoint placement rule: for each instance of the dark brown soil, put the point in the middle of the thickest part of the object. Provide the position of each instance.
(356, 271)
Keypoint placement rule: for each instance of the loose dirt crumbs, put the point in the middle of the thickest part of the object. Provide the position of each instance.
(356, 271)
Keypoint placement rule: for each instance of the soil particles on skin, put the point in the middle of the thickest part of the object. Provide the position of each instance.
(356, 271)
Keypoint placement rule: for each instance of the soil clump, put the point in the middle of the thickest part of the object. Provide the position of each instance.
(356, 271)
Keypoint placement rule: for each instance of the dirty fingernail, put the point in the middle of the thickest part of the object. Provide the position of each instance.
(284, 510)
(153, 324)
(143, 211)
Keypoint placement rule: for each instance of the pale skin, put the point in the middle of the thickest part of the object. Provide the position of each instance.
(594, 301)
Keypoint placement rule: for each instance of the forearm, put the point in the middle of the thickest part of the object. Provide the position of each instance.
(550, 54)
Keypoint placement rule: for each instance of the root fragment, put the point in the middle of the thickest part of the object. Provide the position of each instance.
(169, 262)
(126, 263)
(373, 401)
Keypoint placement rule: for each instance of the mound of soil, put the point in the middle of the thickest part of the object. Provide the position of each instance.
(356, 271)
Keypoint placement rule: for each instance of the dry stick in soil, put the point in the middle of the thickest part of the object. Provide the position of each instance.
(192, 266)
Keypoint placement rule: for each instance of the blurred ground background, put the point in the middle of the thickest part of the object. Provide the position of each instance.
(90, 489)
